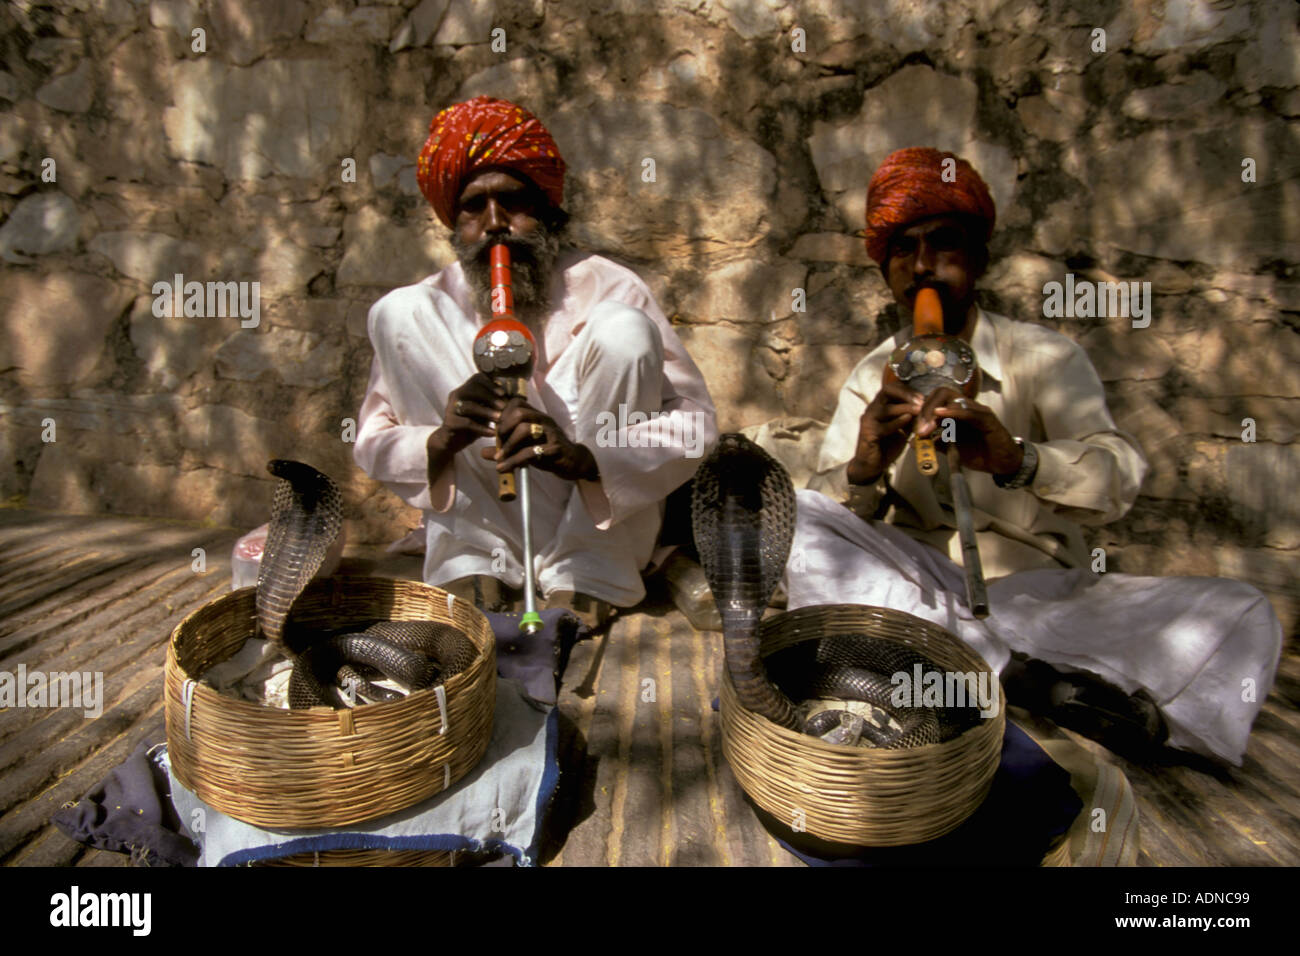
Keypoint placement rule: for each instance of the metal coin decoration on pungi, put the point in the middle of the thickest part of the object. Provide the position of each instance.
(929, 360)
(306, 517)
(836, 687)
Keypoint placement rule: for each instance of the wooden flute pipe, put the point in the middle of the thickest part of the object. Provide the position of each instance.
(977, 592)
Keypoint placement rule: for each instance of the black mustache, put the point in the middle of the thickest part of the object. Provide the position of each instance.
(532, 258)
(945, 294)
(520, 250)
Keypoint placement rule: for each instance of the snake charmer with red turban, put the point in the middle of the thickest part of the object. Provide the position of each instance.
(910, 185)
(486, 133)
(1044, 457)
(494, 176)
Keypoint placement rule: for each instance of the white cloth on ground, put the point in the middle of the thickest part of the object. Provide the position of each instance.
(606, 353)
(498, 805)
(1192, 642)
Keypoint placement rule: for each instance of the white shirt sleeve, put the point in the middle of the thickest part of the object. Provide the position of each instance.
(841, 439)
(1087, 465)
(396, 454)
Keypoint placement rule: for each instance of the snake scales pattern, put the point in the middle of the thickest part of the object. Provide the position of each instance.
(743, 516)
(306, 517)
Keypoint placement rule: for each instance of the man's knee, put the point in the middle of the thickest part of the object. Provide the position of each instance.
(622, 333)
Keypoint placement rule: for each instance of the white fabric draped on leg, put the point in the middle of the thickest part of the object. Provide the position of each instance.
(1206, 649)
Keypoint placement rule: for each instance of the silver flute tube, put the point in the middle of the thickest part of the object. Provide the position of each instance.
(977, 594)
(530, 623)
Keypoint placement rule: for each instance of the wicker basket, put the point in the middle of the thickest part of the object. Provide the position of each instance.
(854, 795)
(367, 858)
(322, 767)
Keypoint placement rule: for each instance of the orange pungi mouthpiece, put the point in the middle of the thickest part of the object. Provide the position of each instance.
(927, 316)
(503, 297)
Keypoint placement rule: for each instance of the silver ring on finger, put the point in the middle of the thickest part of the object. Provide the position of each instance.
(963, 403)
(538, 451)
(459, 407)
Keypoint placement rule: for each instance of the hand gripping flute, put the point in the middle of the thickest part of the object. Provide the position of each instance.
(929, 361)
(505, 350)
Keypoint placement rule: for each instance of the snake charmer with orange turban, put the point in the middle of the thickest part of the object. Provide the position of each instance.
(480, 134)
(1136, 662)
(910, 185)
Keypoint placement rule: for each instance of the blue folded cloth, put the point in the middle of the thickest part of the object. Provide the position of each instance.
(535, 660)
(128, 812)
(499, 805)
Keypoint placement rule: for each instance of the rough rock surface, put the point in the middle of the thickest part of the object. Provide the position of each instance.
(719, 147)
(57, 327)
(40, 224)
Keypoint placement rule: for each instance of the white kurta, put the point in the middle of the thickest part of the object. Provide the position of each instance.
(1044, 389)
(606, 354)
(1206, 649)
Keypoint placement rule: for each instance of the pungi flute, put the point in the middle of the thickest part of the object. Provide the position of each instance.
(506, 350)
(931, 360)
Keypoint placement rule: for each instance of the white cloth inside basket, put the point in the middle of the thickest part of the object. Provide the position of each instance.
(499, 804)
(259, 672)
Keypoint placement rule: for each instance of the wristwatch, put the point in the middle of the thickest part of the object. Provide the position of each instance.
(1028, 468)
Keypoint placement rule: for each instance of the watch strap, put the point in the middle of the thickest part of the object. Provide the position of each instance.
(1028, 468)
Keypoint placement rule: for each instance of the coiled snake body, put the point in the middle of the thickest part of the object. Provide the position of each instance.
(306, 517)
(743, 516)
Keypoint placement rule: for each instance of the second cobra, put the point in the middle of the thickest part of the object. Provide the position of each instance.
(743, 515)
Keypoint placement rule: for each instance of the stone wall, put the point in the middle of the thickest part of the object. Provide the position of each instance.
(128, 155)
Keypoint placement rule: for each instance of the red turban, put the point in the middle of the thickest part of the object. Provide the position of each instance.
(909, 185)
(485, 133)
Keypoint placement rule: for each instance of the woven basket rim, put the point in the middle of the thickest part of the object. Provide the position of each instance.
(363, 857)
(252, 708)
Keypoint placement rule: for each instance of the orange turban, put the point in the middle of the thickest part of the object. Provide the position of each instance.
(486, 133)
(909, 185)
